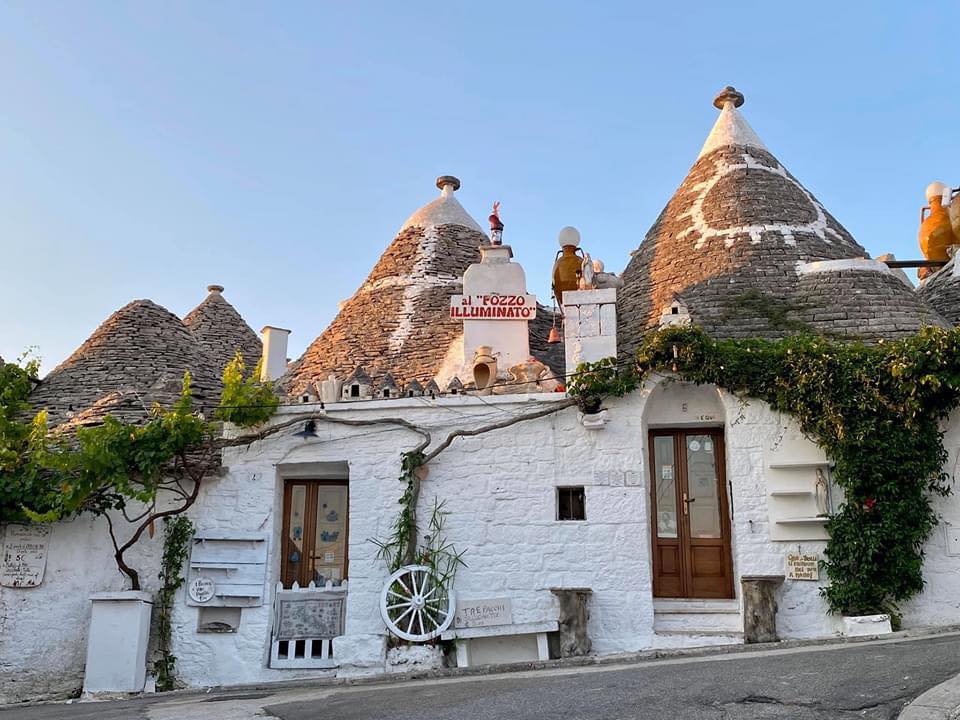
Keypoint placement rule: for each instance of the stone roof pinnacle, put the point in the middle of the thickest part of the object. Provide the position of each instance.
(445, 210)
(731, 128)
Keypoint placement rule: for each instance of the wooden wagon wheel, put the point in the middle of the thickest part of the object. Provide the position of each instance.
(413, 606)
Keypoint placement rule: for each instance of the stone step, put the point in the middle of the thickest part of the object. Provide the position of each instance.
(692, 639)
(698, 607)
(708, 623)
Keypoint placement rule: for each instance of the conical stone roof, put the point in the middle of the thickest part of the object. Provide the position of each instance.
(398, 320)
(136, 358)
(732, 241)
(941, 291)
(221, 331)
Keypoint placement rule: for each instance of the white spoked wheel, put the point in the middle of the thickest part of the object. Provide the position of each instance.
(413, 606)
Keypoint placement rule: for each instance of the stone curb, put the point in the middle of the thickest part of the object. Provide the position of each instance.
(624, 659)
(941, 702)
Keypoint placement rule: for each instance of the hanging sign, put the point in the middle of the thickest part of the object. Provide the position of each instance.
(24, 555)
(803, 566)
(493, 307)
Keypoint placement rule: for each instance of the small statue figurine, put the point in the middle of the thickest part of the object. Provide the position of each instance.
(587, 279)
(496, 227)
(821, 493)
(593, 277)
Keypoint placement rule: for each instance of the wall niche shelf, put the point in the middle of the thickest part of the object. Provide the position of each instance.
(798, 488)
(799, 464)
(802, 521)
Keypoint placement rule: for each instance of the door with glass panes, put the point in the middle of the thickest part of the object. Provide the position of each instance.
(690, 517)
(315, 532)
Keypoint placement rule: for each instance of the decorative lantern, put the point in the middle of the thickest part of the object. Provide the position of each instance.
(566, 268)
(936, 233)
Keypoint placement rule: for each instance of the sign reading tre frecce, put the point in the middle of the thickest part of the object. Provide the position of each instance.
(493, 307)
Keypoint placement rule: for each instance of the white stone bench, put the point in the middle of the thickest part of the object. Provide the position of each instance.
(501, 643)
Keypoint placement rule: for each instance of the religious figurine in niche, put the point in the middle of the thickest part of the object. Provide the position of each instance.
(822, 493)
(496, 227)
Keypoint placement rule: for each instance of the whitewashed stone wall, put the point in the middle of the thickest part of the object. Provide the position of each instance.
(43, 630)
(939, 604)
(500, 492)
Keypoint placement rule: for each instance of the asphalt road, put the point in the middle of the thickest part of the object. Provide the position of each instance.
(869, 680)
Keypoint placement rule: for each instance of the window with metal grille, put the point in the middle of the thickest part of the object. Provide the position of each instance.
(571, 503)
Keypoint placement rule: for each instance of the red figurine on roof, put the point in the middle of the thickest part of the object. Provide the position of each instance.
(496, 227)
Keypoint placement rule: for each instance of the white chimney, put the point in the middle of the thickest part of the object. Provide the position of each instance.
(589, 326)
(274, 352)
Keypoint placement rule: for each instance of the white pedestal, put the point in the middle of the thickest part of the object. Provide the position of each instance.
(859, 625)
(520, 642)
(117, 646)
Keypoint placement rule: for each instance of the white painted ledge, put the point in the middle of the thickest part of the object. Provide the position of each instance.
(530, 628)
(860, 264)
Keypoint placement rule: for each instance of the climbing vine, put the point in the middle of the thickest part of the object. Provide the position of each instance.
(176, 543)
(876, 410)
(136, 474)
(402, 547)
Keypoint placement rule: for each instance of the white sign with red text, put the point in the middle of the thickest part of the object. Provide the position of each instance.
(493, 307)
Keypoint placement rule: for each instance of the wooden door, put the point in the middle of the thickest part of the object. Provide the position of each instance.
(690, 516)
(315, 532)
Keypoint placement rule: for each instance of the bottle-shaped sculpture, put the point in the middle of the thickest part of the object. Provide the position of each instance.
(936, 234)
(566, 268)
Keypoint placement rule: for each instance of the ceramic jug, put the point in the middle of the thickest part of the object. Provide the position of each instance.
(936, 233)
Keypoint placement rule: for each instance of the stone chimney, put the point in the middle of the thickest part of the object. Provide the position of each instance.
(495, 307)
(274, 352)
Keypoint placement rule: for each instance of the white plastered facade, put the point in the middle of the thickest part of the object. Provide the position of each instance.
(500, 490)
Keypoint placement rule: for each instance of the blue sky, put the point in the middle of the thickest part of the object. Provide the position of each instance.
(149, 149)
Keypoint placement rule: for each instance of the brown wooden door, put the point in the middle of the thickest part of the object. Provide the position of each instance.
(315, 532)
(690, 516)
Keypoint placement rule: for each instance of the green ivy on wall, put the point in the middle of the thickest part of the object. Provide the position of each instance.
(876, 410)
(176, 547)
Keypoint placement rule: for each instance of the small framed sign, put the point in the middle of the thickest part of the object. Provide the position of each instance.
(803, 566)
(202, 589)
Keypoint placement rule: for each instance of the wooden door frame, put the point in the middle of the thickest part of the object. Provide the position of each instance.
(679, 435)
(310, 528)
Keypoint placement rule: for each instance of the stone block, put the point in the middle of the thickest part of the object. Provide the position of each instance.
(589, 297)
(589, 321)
(589, 349)
(608, 320)
(408, 658)
(360, 655)
(860, 625)
(571, 322)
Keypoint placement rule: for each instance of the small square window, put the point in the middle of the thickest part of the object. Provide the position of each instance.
(571, 503)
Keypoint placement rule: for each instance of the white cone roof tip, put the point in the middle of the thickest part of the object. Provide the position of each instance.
(730, 129)
(445, 210)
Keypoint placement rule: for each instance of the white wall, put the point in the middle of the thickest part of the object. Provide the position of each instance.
(500, 491)
(43, 630)
(939, 604)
